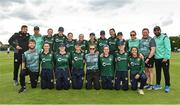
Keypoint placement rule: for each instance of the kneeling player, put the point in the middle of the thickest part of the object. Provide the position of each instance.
(46, 60)
(77, 67)
(107, 68)
(30, 66)
(121, 76)
(137, 74)
(92, 69)
(62, 73)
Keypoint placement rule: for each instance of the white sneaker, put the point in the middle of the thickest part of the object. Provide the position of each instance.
(141, 92)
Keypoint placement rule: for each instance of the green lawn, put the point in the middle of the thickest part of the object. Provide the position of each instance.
(9, 93)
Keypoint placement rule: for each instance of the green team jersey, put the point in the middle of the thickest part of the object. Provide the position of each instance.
(31, 60)
(62, 61)
(112, 44)
(39, 42)
(92, 43)
(100, 44)
(70, 45)
(57, 41)
(77, 59)
(46, 60)
(121, 61)
(132, 43)
(50, 40)
(107, 65)
(84, 45)
(136, 65)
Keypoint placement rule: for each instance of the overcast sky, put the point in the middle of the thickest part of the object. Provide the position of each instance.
(85, 16)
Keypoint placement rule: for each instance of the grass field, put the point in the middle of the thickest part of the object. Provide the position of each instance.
(9, 93)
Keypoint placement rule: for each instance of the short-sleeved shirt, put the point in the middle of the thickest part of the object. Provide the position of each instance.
(132, 43)
(62, 61)
(92, 61)
(58, 39)
(46, 60)
(31, 59)
(101, 43)
(70, 45)
(107, 65)
(49, 40)
(145, 45)
(121, 61)
(77, 59)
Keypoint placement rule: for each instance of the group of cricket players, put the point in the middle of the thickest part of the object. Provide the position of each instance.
(62, 62)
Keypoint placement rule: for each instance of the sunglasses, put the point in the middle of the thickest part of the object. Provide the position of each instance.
(156, 30)
(133, 35)
(92, 48)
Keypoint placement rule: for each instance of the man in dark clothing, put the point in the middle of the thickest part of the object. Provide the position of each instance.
(19, 41)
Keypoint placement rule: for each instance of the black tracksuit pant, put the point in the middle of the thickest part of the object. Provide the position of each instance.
(165, 66)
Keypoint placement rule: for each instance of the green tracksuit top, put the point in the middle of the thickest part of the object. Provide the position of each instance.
(39, 42)
(107, 65)
(163, 47)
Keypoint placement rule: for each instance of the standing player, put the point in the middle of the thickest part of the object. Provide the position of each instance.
(162, 56)
(38, 38)
(59, 38)
(121, 59)
(147, 49)
(62, 73)
(70, 42)
(78, 62)
(84, 43)
(133, 42)
(49, 38)
(136, 65)
(46, 61)
(92, 40)
(112, 41)
(19, 41)
(107, 69)
(120, 38)
(102, 41)
(92, 69)
(30, 66)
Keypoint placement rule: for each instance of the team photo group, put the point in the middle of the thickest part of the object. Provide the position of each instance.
(59, 61)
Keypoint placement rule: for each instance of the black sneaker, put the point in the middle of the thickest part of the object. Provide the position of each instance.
(22, 90)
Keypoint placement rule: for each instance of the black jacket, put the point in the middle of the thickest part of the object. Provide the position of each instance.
(20, 39)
